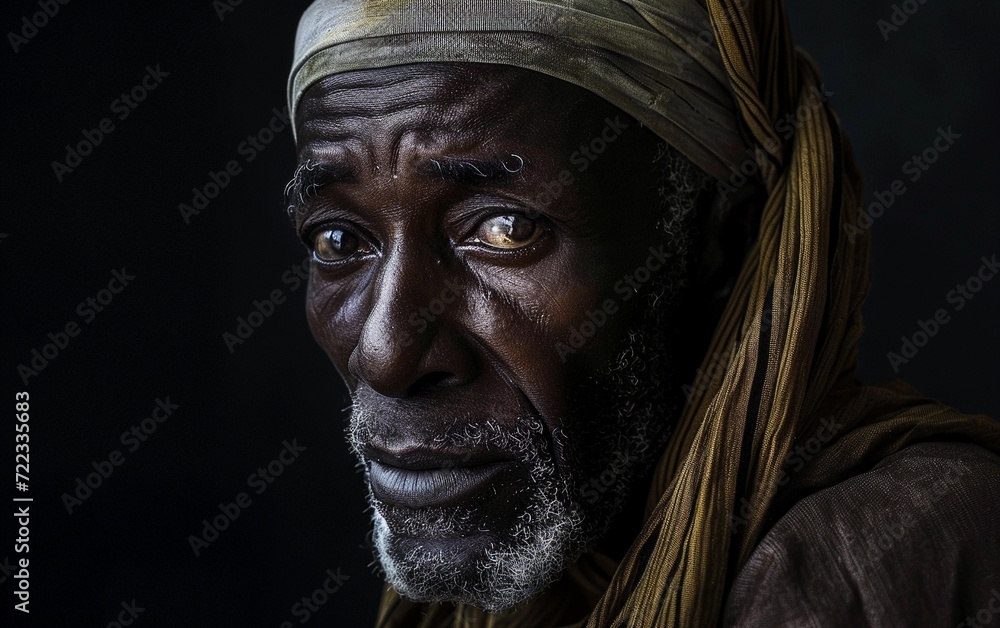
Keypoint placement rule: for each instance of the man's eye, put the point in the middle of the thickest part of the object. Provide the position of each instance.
(508, 232)
(333, 245)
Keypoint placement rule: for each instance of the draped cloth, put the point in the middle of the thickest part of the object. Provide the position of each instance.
(722, 82)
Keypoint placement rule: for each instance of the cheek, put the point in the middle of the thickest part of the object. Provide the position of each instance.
(335, 319)
(581, 324)
(541, 323)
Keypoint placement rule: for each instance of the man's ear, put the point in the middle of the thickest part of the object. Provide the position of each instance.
(729, 228)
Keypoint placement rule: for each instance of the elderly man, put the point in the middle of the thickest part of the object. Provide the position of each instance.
(579, 263)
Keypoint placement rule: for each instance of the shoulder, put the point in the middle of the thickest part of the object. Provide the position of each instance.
(914, 541)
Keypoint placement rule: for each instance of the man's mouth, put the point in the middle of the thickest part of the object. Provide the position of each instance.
(421, 479)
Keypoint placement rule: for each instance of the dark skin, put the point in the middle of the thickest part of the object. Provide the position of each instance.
(444, 278)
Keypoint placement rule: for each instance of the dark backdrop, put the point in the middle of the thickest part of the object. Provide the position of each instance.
(161, 337)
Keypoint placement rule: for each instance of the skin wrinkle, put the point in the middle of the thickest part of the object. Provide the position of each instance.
(496, 361)
(486, 371)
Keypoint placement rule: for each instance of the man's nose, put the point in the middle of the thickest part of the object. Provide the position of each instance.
(412, 339)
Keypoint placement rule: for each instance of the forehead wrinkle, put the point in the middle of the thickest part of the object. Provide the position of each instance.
(367, 97)
(450, 95)
(442, 95)
(410, 134)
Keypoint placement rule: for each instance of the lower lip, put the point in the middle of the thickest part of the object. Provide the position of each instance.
(431, 487)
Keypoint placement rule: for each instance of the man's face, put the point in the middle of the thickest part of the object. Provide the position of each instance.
(480, 236)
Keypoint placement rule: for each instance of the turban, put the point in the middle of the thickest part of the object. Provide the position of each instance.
(720, 80)
(657, 65)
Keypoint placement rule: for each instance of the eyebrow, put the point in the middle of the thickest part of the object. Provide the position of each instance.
(311, 176)
(473, 172)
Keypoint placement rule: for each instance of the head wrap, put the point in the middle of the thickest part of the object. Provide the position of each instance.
(659, 66)
(788, 337)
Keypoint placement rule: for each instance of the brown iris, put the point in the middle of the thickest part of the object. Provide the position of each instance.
(508, 232)
(333, 245)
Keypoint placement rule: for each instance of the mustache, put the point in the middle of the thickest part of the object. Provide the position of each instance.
(523, 438)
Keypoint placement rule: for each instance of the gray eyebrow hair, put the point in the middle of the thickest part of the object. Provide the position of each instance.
(473, 172)
(309, 177)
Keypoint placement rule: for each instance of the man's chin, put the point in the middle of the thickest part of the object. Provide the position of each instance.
(457, 556)
(490, 569)
(456, 535)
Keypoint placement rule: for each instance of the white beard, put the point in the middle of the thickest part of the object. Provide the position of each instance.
(515, 566)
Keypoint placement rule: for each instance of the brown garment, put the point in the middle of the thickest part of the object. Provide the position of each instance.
(913, 542)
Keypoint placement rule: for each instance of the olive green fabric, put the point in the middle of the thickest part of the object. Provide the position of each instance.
(788, 337)
(653, 60)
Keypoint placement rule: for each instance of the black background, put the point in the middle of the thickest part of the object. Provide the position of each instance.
(162, 336)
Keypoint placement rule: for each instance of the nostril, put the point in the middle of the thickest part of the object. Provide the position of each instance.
(433, 380)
